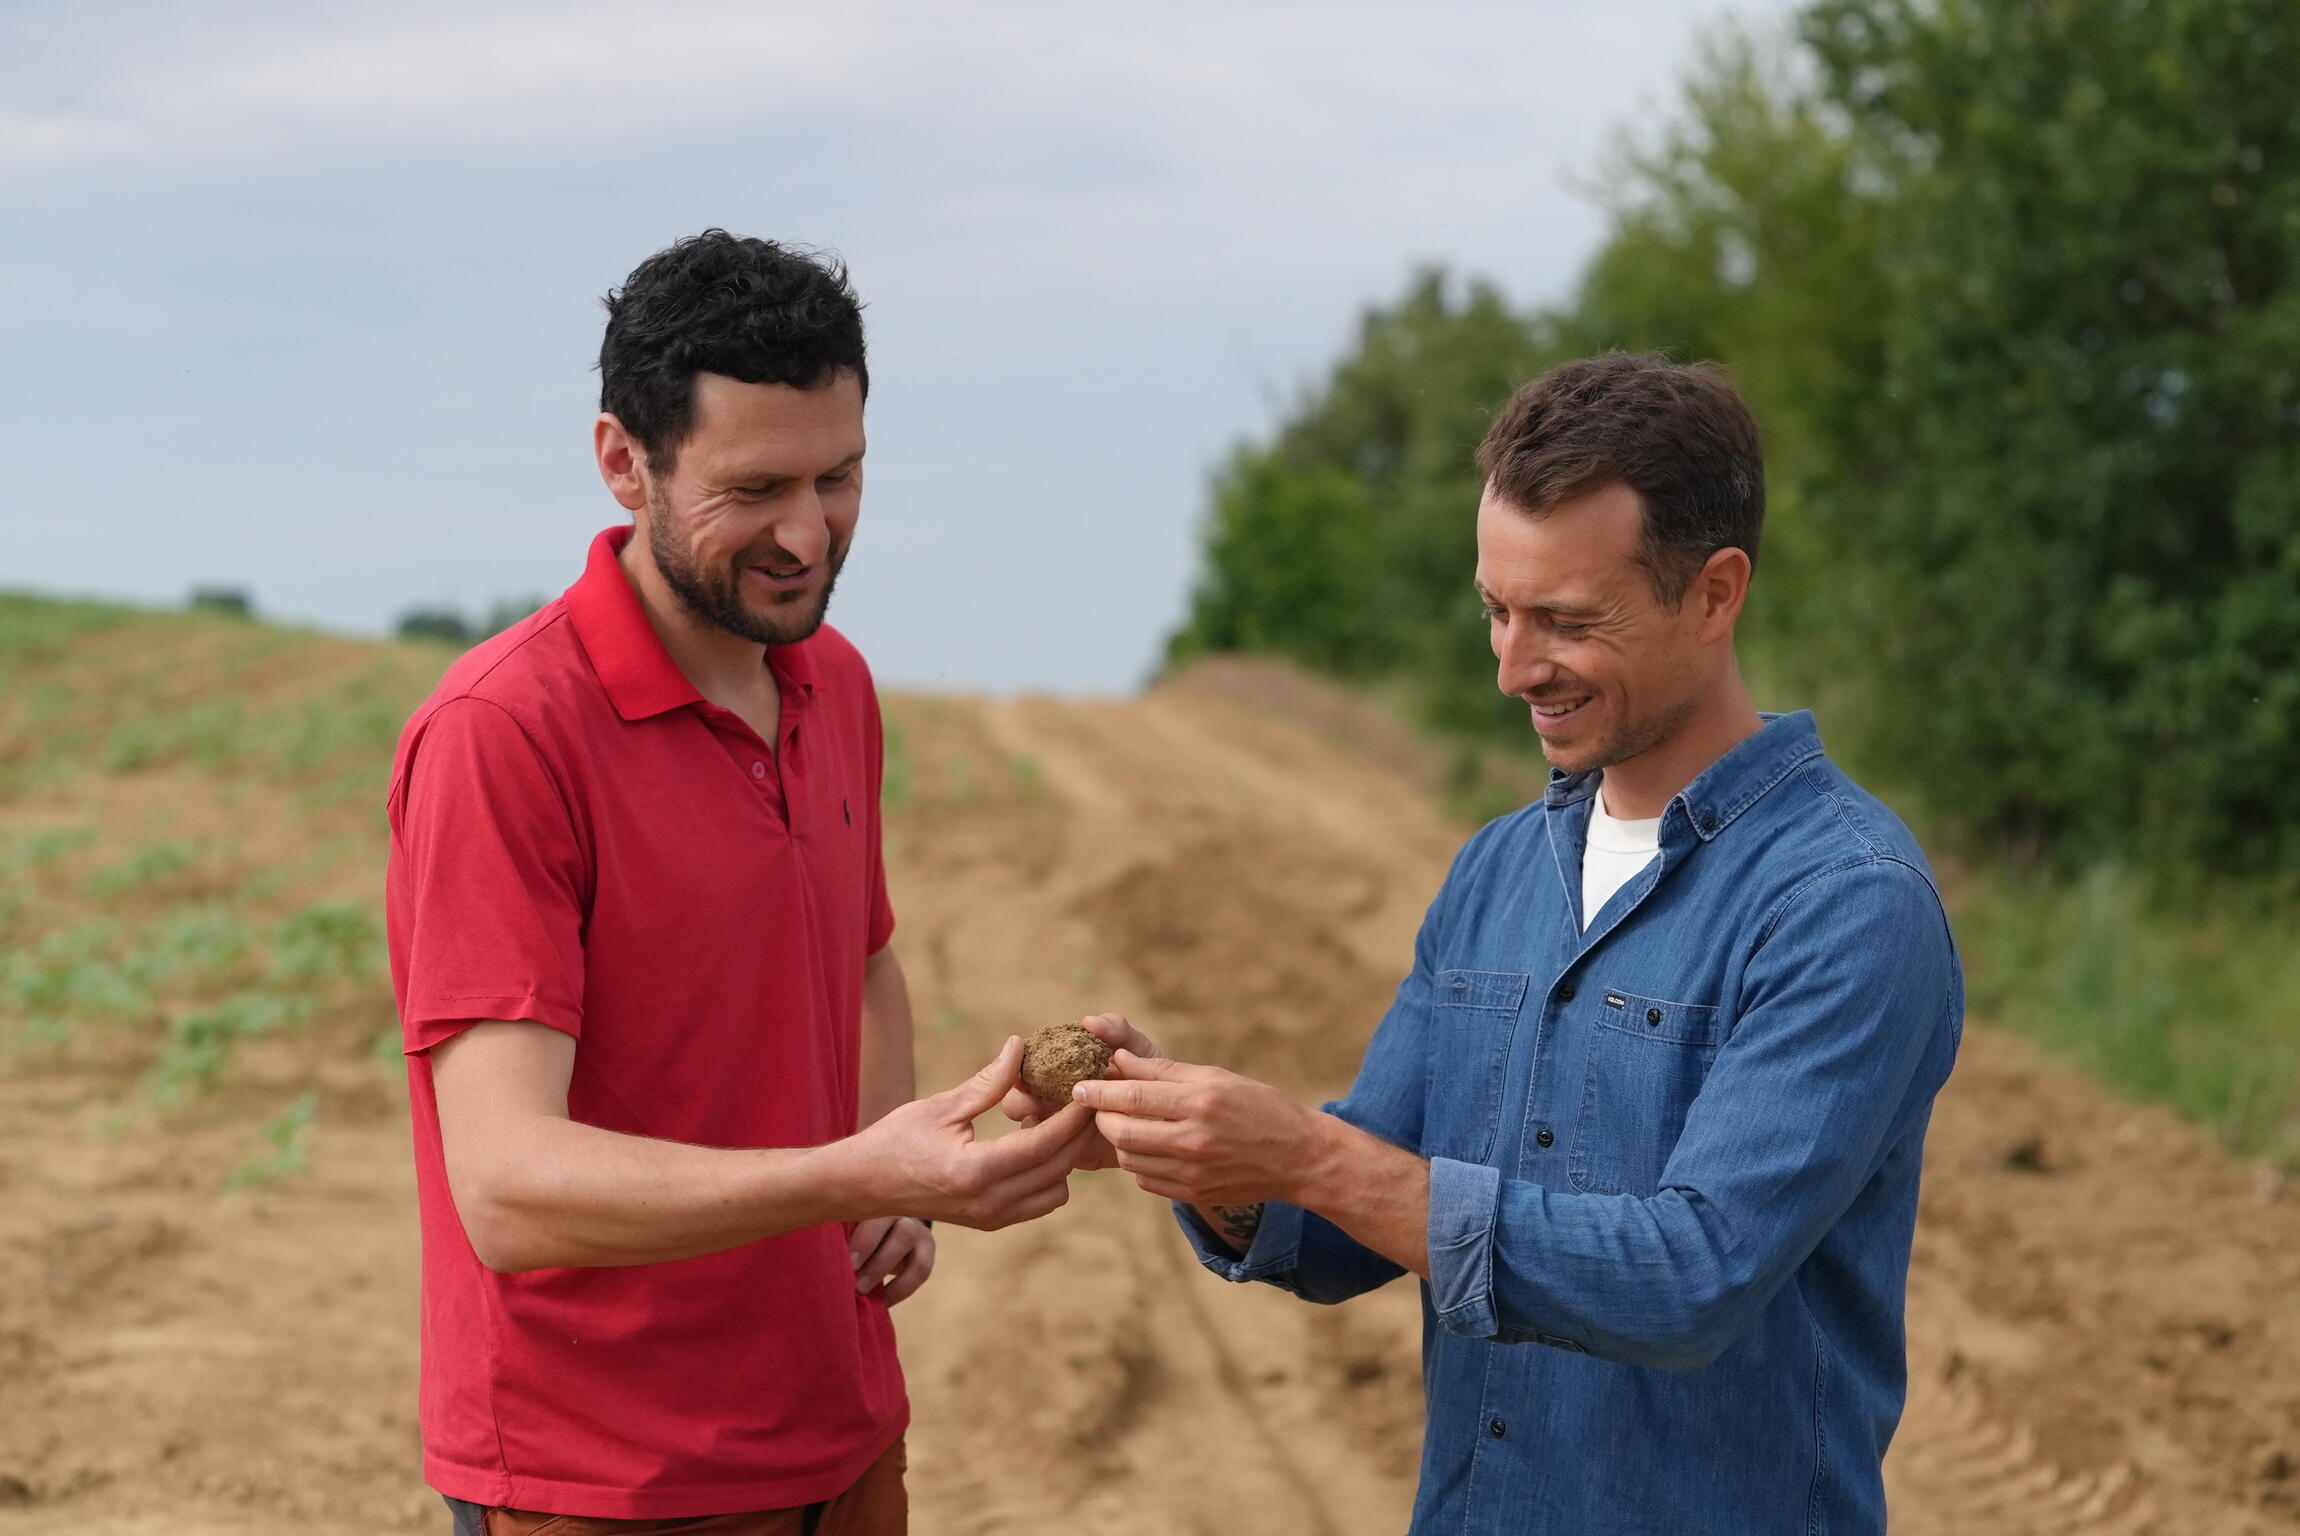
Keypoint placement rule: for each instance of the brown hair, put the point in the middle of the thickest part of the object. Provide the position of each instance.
(1676, 433)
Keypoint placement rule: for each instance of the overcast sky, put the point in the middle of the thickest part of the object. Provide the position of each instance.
(304, 297)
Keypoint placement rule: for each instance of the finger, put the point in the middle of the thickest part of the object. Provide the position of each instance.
(914, 1273)
(1165, 1187)
(1036, 1176)
(888, 1257)
(1119, 1035)
(1031, 1207)
(1020, 1198)
(1151, 1164)
(1159, 1101)
(865, 1238)
(1048, 1141)
(1130, 1133)
(1024, 1107)
(1157, 1069)
(983, 1090)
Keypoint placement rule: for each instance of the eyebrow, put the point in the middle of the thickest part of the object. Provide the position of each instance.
(1562, 610)
(849, 462)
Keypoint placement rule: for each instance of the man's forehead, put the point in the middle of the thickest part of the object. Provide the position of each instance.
(720, 400)
(739, 426)
(1585, 544)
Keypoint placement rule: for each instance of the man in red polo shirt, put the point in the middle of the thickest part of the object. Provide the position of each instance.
(670, 1171)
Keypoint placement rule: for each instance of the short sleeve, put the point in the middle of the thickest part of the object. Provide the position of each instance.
(487, 886)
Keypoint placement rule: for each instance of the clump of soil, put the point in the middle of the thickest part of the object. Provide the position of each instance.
(1059, 1056)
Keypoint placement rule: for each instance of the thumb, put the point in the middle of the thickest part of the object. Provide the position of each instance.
(982, 1091)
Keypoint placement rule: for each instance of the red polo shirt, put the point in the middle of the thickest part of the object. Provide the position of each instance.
(578, 838)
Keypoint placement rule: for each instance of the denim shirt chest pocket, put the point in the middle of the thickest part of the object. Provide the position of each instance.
(1474, 1016)
(1648, 1057)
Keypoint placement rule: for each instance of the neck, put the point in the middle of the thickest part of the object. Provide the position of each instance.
(726, 669)
(1641, 788)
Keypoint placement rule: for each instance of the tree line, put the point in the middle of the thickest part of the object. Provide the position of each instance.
(2011, 287)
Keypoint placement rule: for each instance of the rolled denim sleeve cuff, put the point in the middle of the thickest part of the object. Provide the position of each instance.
(1275, 1250)
(1464, 1200)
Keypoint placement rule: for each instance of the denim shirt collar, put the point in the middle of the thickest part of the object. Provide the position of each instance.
(1727, 787)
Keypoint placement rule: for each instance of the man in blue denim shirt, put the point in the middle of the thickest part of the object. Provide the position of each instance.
(1646, 1117)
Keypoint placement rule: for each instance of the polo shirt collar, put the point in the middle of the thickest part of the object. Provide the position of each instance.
(1728, 786)
(639, 675)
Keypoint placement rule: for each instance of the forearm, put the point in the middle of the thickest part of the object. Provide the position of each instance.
(568, 1194)
(889, 1071)
(1377, 1193)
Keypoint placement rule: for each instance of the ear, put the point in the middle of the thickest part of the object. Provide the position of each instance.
(622, 462)
(1718, 593)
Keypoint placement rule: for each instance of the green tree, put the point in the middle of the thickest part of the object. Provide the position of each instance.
(2010, 285)
(2072, 502)
(1345, 542)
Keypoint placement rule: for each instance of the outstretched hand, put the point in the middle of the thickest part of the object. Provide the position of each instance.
(1202, 1135)
(923, 1159)
(1028, 1109)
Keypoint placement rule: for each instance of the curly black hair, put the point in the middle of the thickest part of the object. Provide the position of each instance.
(721, 303)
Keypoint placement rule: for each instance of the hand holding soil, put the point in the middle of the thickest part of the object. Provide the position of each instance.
(1027, 1106)
(1200, 1134)
(923, 1159)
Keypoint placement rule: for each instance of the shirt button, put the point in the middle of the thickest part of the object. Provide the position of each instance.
(758, 770)
(1545, 1137)
(1653, 1018)
(1709, 824)
(1498, 1428)
(1565, 992)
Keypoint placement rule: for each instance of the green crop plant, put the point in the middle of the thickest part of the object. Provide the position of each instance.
(156, 868)
(201, 1045)
(286, 1138)
(328, 941)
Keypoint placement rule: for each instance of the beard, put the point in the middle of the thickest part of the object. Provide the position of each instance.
(1628, 739)
(714, 593)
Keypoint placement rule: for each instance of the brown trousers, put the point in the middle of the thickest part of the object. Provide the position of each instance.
(876, 1505)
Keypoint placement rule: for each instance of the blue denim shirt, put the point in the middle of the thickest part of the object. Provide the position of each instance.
(1673, 1159)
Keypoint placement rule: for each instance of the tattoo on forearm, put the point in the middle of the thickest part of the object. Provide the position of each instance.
(1239, 1223)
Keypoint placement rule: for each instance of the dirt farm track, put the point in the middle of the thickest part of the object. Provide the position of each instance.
(2105, 1311)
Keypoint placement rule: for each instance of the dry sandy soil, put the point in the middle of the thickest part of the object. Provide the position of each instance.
(2105, 1311)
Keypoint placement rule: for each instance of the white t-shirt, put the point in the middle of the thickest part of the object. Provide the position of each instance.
(1616, 851)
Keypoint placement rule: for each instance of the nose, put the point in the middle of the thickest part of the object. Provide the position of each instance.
(803, 531)
(1523, 653)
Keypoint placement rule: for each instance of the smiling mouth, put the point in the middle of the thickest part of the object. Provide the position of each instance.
(782, 581)
(1557, 711)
